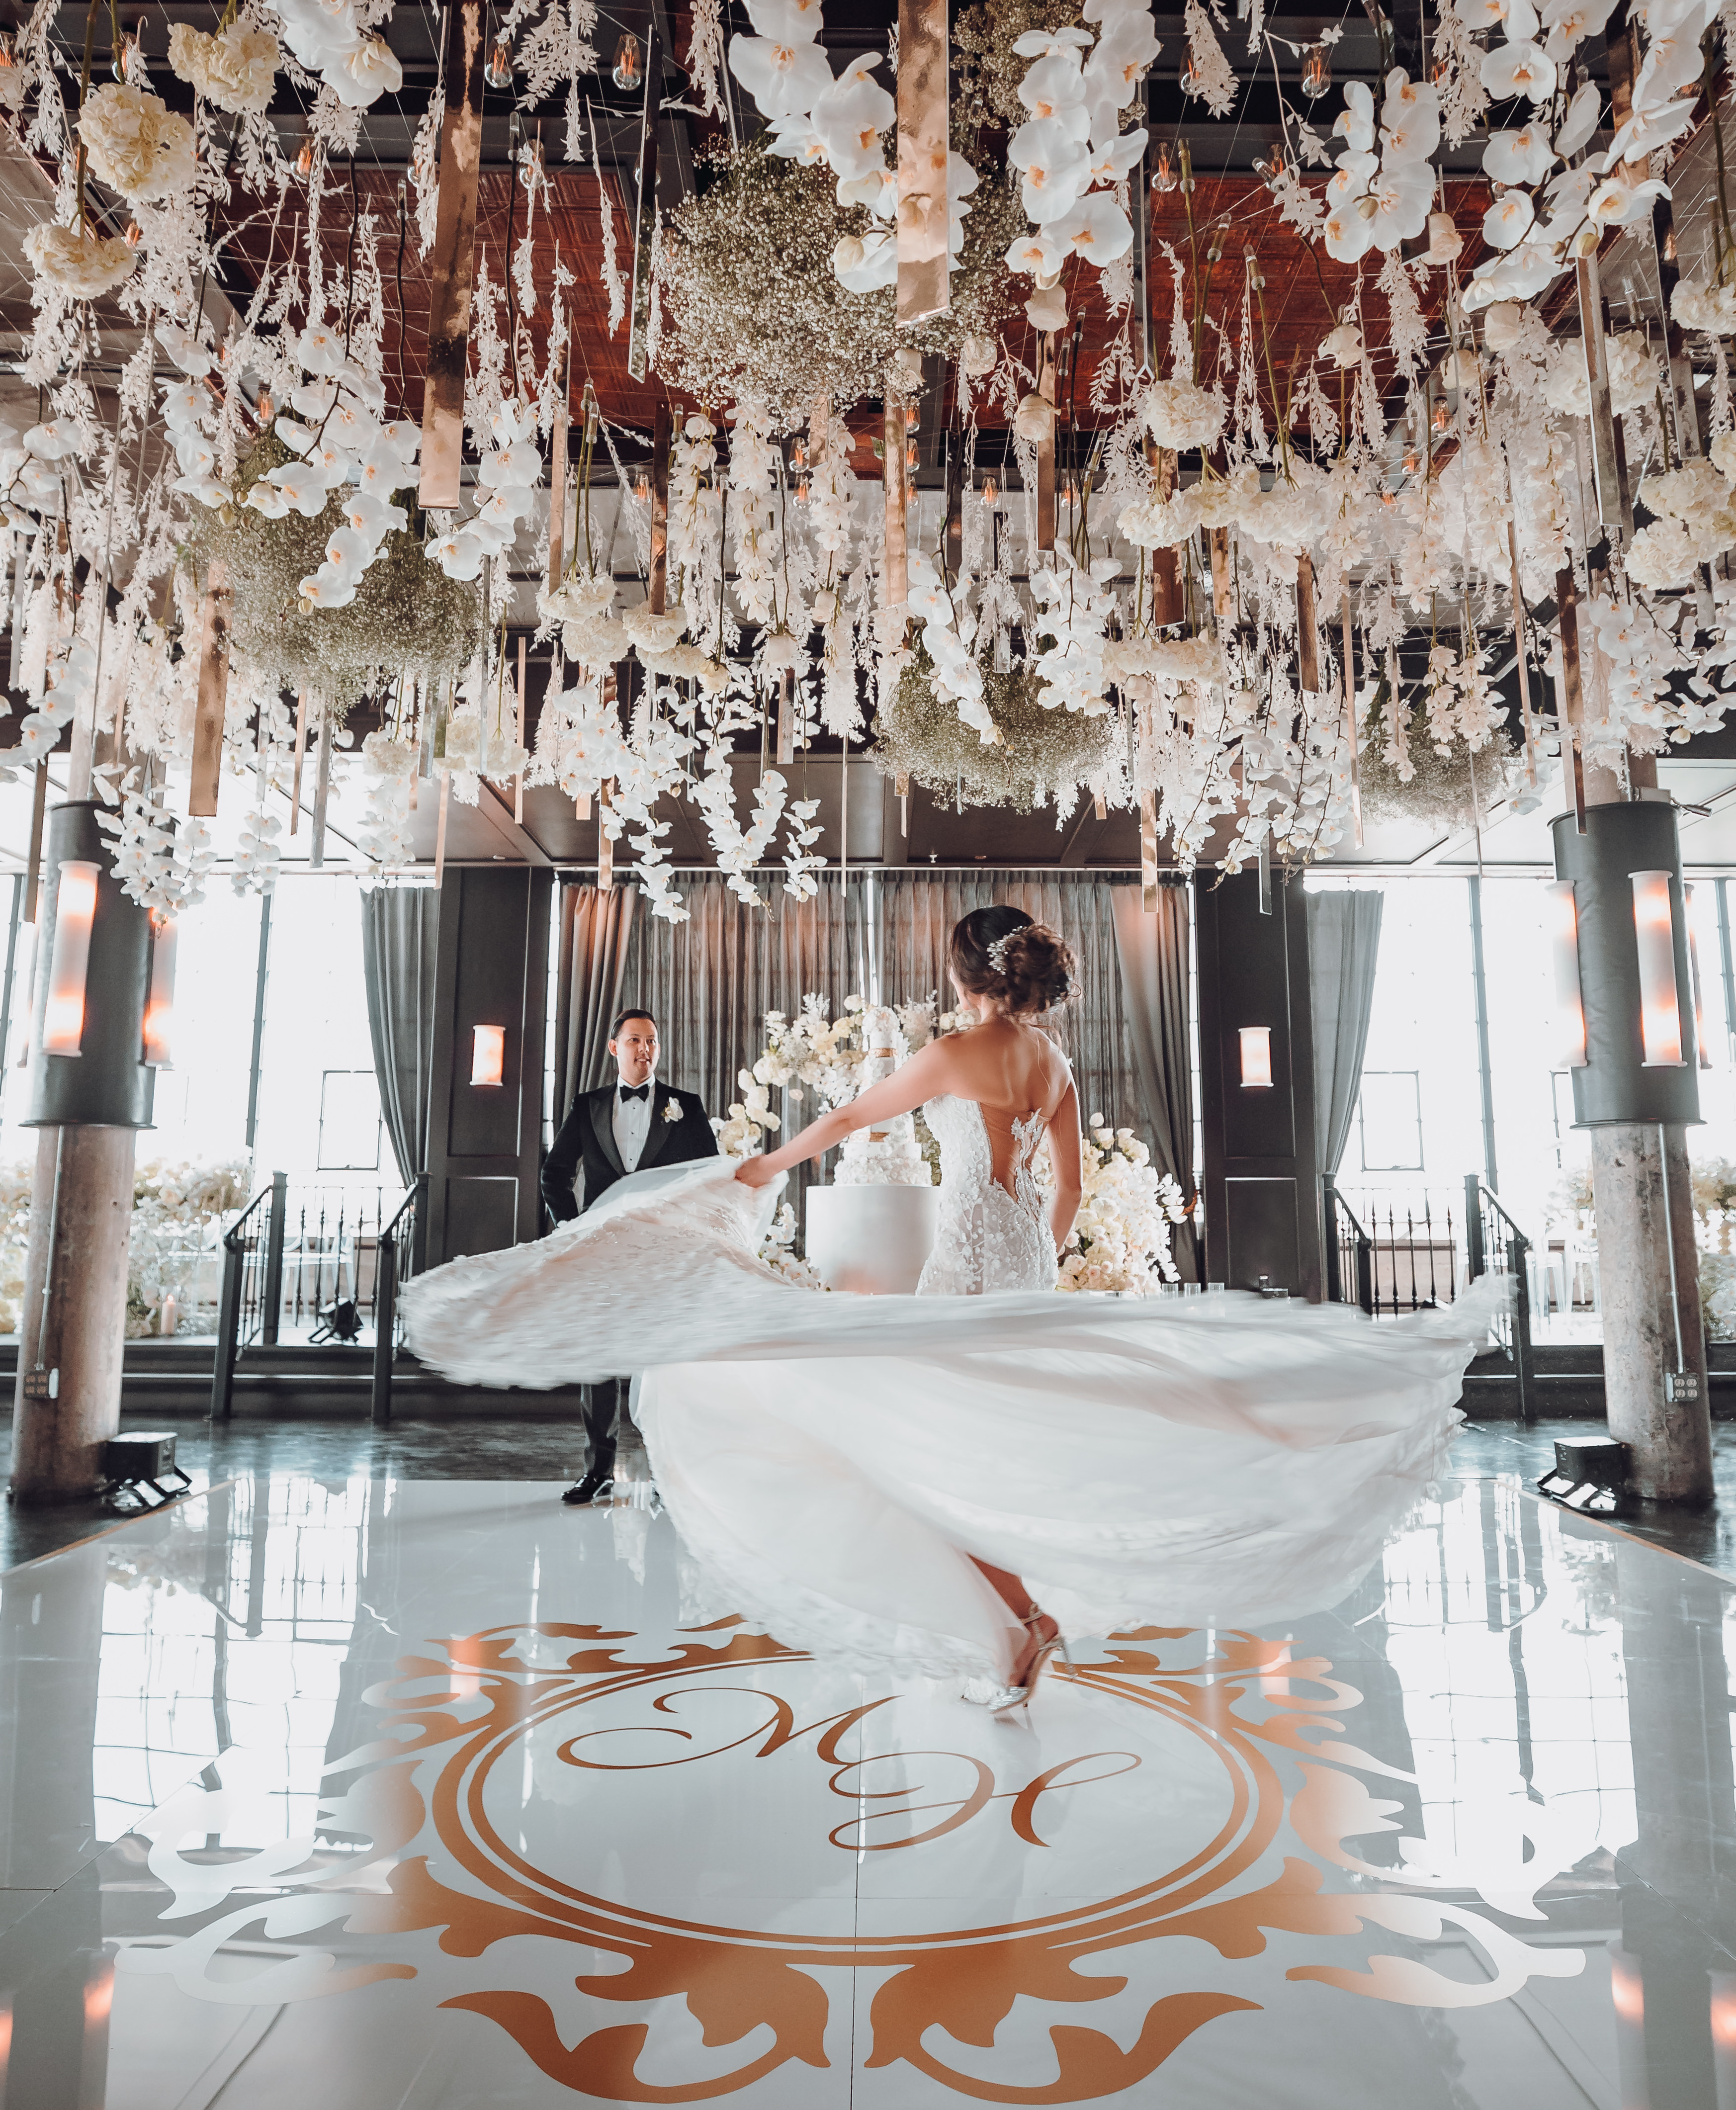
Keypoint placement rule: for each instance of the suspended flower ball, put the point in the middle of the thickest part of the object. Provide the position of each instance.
(1180, 414)
(236, 68)
(73, 262)
(136, 144)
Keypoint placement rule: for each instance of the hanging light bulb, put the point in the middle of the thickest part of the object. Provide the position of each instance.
(134, 234)
(642, 488)
(802, 492)
(129, 63)
(1442, 417)
(1316, 71)
(498, 73)
(8, 59)
(1189, 82)
(797, 455)
(530, 163)
(1163, 177)
(1412, 461)
(305, 158)
(630, 72)
(909, 455)
(264, 408)
(991, 493)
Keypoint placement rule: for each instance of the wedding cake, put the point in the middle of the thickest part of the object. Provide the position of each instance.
(887, 1156)
(871, 1230)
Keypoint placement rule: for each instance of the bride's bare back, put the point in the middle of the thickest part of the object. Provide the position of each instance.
(1010, 1069)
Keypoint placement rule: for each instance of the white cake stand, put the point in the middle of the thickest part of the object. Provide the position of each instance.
(871, 1240)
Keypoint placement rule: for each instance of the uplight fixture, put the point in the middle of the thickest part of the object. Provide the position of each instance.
(488, 1055)
(1660, 1001)
(1564, 947)
(75, 912)
(1256, 1058)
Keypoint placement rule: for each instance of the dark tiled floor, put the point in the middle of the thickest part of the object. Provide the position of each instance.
(1708, 1536)
(486, 1448)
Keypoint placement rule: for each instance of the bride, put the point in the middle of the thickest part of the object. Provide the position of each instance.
(902, 1480)
(990, 1098)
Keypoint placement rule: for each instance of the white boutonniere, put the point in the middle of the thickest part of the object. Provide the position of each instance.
(671, 1110)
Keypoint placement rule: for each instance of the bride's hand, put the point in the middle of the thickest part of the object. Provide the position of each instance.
(752, 1173)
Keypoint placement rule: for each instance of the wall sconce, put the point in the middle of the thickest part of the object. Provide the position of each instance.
(160, 1002)
(488, 1055)
(1564, 946)
(1256, 1058)
(1660, 1002)
(1701, 1043)
(75, 912)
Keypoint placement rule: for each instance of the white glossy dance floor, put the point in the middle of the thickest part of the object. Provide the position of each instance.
(425, 1797)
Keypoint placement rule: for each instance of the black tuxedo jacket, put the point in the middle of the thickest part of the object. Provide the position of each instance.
(587, 1139)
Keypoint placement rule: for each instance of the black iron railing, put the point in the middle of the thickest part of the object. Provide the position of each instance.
(244, 1308)
(398, 1254)
(292, 1259)
(1495, 1245)
(1349, 1252)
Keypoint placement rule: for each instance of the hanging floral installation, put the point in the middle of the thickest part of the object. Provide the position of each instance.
(1472, 543)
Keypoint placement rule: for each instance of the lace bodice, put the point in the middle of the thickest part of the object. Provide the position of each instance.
(989, 1238)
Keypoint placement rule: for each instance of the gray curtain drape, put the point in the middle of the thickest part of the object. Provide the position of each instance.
(915, 916)
(595, 939)
(1343, 945)
(400, 930)
(1154, 954)
(709, 981)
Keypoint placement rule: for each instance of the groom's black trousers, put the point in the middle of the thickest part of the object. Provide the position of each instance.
(601, 1410)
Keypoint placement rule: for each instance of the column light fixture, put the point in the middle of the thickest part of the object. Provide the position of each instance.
(1659, 1000)
(75, 912)
(160, 1002)
(488, 1055)
(1570, 1002)
(1256, 1058)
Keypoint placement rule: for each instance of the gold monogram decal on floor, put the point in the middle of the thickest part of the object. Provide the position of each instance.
(543, 1780)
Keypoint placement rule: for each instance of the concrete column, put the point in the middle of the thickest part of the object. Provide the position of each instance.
(66, 1403)
(1652, 1323)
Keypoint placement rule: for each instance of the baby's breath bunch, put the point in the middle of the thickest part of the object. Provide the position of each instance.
(1041, 753)
(753, 308)
(407, 617)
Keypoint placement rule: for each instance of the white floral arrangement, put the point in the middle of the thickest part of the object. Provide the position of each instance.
(1120, 1238)
(176, 1209)
(778, 1251)
(813, 1052)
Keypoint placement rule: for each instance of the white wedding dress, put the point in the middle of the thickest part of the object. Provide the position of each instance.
(830, 1461)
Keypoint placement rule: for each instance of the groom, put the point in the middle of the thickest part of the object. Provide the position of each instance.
(623, 1128)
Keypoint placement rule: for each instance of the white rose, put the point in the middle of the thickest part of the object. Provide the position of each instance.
(78, 264)
(136, 144)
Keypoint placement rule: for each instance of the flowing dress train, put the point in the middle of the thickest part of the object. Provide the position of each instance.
(830, 1461)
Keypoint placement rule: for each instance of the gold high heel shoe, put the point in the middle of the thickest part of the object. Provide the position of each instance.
(1015, 1698)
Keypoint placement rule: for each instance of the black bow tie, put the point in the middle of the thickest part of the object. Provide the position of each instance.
(635, 1091)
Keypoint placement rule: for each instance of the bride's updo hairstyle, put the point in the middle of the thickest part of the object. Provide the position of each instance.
(1000, 952)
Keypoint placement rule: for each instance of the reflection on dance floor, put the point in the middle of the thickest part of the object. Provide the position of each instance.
(434, 1795)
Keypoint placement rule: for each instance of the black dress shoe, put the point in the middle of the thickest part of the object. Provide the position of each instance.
(593, 1484)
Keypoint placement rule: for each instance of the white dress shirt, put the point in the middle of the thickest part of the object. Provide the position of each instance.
(632, 1124)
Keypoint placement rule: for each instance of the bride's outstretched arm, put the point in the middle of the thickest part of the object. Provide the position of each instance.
(1064, 1160)
(929, 1072)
